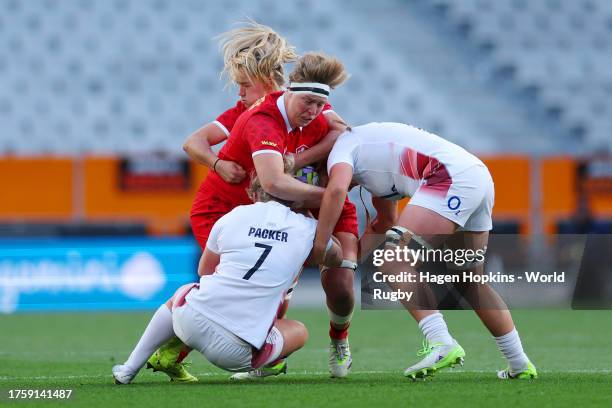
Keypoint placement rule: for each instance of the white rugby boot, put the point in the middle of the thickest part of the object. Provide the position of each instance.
(123, 374)
(340, 359)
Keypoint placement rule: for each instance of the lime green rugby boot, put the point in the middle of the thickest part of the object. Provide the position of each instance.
(165, 360)
(529, 373)
(437, 357)
(267, 371)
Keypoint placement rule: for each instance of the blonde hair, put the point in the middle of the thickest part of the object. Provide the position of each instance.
(256, 51)
(319, 67)
(255, 190)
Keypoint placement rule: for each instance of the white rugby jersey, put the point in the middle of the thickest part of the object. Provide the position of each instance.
(392, 160)
(262, 247)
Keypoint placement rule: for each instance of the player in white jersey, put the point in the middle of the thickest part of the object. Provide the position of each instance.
(451, 203)
(252, 257)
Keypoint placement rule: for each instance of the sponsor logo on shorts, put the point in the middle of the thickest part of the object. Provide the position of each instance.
(453, 203)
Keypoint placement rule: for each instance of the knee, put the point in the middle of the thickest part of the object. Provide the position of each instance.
(338, 281)
(301, 332)
(349, 244)
(339, 290)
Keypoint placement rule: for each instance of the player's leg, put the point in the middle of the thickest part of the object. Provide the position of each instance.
(158, 331)
(492, 310)
(280, 366)
(422, 227)
(169, 358)
(340, 298)
(294, 335)
(285, 338)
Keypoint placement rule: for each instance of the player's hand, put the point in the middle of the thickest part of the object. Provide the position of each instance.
(230, 171)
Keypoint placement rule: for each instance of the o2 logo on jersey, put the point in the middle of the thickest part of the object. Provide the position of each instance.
(453, 203)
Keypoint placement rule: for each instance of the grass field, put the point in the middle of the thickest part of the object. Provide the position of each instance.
(572, 350)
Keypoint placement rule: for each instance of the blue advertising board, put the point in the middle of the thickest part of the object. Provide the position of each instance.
(93, 273)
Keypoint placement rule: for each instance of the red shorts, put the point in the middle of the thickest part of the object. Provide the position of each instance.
(206, 210)
(347, 221)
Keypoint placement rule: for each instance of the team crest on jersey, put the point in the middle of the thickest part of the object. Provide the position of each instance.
(268, 143)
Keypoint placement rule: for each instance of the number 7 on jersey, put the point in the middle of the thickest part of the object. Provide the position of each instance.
(260, 261)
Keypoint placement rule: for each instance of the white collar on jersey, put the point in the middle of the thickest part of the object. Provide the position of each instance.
(280, 103)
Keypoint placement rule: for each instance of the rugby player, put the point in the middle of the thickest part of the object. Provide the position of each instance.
(451, 203)
(253, 255)
(258, 140)
(254, 58)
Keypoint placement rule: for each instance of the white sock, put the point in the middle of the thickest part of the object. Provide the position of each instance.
(157, 333)
(434, 329)
(338, 320)
(512, 349)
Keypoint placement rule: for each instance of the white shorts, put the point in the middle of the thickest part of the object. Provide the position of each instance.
(468, 202)
(220, 346)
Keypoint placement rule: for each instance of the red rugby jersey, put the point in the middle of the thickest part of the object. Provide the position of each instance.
(260, 128)
(227, 119)
(306, 138)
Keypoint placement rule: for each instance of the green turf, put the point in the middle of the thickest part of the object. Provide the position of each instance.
(572, 350)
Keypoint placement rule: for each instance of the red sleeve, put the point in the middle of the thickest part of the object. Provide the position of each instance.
(262, 132)
(327, 107)
(228, 118)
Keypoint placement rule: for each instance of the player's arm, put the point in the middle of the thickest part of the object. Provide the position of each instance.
(198, 147)
(321, 150)
(208, 262)
(333, 255)
(340, 178)
(386, 217)
(270, 170)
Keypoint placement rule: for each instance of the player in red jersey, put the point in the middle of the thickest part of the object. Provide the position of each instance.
(254, 58)
(258, 140)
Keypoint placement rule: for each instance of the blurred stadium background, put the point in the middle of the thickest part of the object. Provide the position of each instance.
(98, 96)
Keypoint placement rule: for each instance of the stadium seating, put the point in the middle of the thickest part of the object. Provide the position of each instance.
(560, 49)
(126, 76)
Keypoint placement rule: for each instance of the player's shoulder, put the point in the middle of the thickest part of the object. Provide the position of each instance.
(348, 139)
(281, 211)
(239, 107)
(233, 112)
(243, 209)
(266, 103)
(345, 150)
(262, 111)
(229, 117)
(375, 131)
(308, 223)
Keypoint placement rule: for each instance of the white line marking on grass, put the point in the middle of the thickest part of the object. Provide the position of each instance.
(58, 377)
(313, 373)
